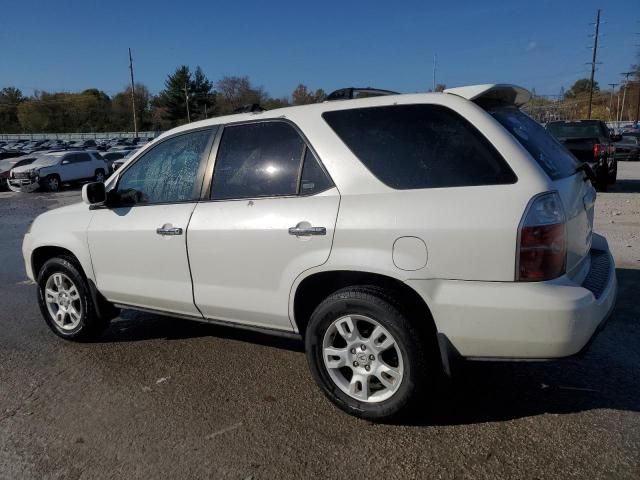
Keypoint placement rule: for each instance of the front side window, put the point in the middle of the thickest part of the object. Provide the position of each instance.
(167, 173)
(259, 159)
(419, 146)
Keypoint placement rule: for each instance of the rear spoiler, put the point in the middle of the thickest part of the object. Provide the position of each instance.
(493, 94)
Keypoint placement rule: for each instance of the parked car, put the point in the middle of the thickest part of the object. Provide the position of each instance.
(121, 161)
(628, 147)
(591, 143)
(51, 170)
(7, 164)
(392, 233)
(6, 153)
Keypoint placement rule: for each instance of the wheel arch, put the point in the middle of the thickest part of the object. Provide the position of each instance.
(40, 255)
(311, 290)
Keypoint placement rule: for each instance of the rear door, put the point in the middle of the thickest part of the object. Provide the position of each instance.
(270, 216)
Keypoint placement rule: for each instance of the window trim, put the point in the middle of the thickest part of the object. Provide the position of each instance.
(199, 175)
(475, 130)
(210, 169)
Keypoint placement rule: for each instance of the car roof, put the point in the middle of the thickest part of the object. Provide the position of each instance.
(507, 94)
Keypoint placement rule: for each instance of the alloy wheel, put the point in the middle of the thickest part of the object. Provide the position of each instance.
(362, 358)
(63, 301)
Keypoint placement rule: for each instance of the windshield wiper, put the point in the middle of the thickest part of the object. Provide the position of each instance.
(586, 168)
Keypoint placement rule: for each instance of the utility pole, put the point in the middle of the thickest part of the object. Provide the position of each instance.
(613, 89)
(186, 99)
(435, 66)
(133, 96)
(593, 62)
(624, 94)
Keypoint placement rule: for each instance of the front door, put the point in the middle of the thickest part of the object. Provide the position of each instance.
(137, 243)
(271, 216)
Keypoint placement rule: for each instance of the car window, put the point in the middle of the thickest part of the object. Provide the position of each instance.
(167, 173)
(550, 154)
(576, 130)
(419, 146)
(257, 160)
(313, 179)
(80, 157)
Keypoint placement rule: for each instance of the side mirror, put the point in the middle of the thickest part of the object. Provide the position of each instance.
(94, 193)
(64, 162)
(616, 138)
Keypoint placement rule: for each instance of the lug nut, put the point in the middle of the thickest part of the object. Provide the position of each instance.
(371, 357)
(362, 347)
(367, 368)
(353, 350)
(355, 364)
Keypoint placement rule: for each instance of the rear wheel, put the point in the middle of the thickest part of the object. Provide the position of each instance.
(613, 175)
(65, 301)
(365, 354)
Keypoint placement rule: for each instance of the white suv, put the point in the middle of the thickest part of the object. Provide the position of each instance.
(51, 169)
(393, 233)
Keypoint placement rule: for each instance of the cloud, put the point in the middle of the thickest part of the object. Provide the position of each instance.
(531, 46)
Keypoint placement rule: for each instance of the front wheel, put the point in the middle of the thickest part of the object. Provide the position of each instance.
(52, 183)
(99, 176)
(366, 355)
(65, 301)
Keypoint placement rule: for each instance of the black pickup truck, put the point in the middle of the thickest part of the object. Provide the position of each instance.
(590, 142)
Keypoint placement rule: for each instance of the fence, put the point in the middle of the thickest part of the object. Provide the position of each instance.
(8, 137)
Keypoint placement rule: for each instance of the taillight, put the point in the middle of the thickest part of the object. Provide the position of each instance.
(542, 240)
(597, 150)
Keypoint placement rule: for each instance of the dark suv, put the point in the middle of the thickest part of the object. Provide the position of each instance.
(591, 142)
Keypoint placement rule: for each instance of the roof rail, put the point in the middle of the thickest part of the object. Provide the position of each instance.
(358, 92)
(249, 108)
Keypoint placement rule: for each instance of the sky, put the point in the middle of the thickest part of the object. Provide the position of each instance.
(73, 45)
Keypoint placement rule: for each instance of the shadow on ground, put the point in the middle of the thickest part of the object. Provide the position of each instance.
(606, 376)
(625, 185)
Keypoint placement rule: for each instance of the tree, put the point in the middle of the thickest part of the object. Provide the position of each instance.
(581, 87)
(173, 98)
(440, 87)
(234, 92)
(10, 99)
(303, 96)
(121, 114)
(202, 98)
(172, 101)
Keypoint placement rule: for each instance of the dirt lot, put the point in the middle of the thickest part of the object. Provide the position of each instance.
(166, 398)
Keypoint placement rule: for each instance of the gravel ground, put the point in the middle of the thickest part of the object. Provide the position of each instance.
(166, 398)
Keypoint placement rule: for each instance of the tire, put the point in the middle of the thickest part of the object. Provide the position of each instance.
(100, 175)
(51, 183)
(613, 176)
(358, 381)
(62, 287)
(602, 179)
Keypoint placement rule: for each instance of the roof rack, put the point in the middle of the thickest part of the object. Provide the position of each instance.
(358, 92)
(249, 108)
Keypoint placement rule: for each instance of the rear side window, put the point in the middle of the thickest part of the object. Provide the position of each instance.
(257, 160)
(420, 146)
(550, 154)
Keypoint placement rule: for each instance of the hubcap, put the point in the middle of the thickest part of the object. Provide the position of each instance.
(362, 358)
(63, 301)
(53, 183)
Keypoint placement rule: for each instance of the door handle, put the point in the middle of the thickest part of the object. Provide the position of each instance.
(167, 229)
(307, 231)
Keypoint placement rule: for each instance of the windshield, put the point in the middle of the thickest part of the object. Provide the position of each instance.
(550, 154)
(575, 129)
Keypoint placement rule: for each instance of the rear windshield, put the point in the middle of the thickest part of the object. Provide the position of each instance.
(420, 146)
(576, 130)
(550, 154)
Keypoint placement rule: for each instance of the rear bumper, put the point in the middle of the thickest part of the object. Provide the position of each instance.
(514, 320)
